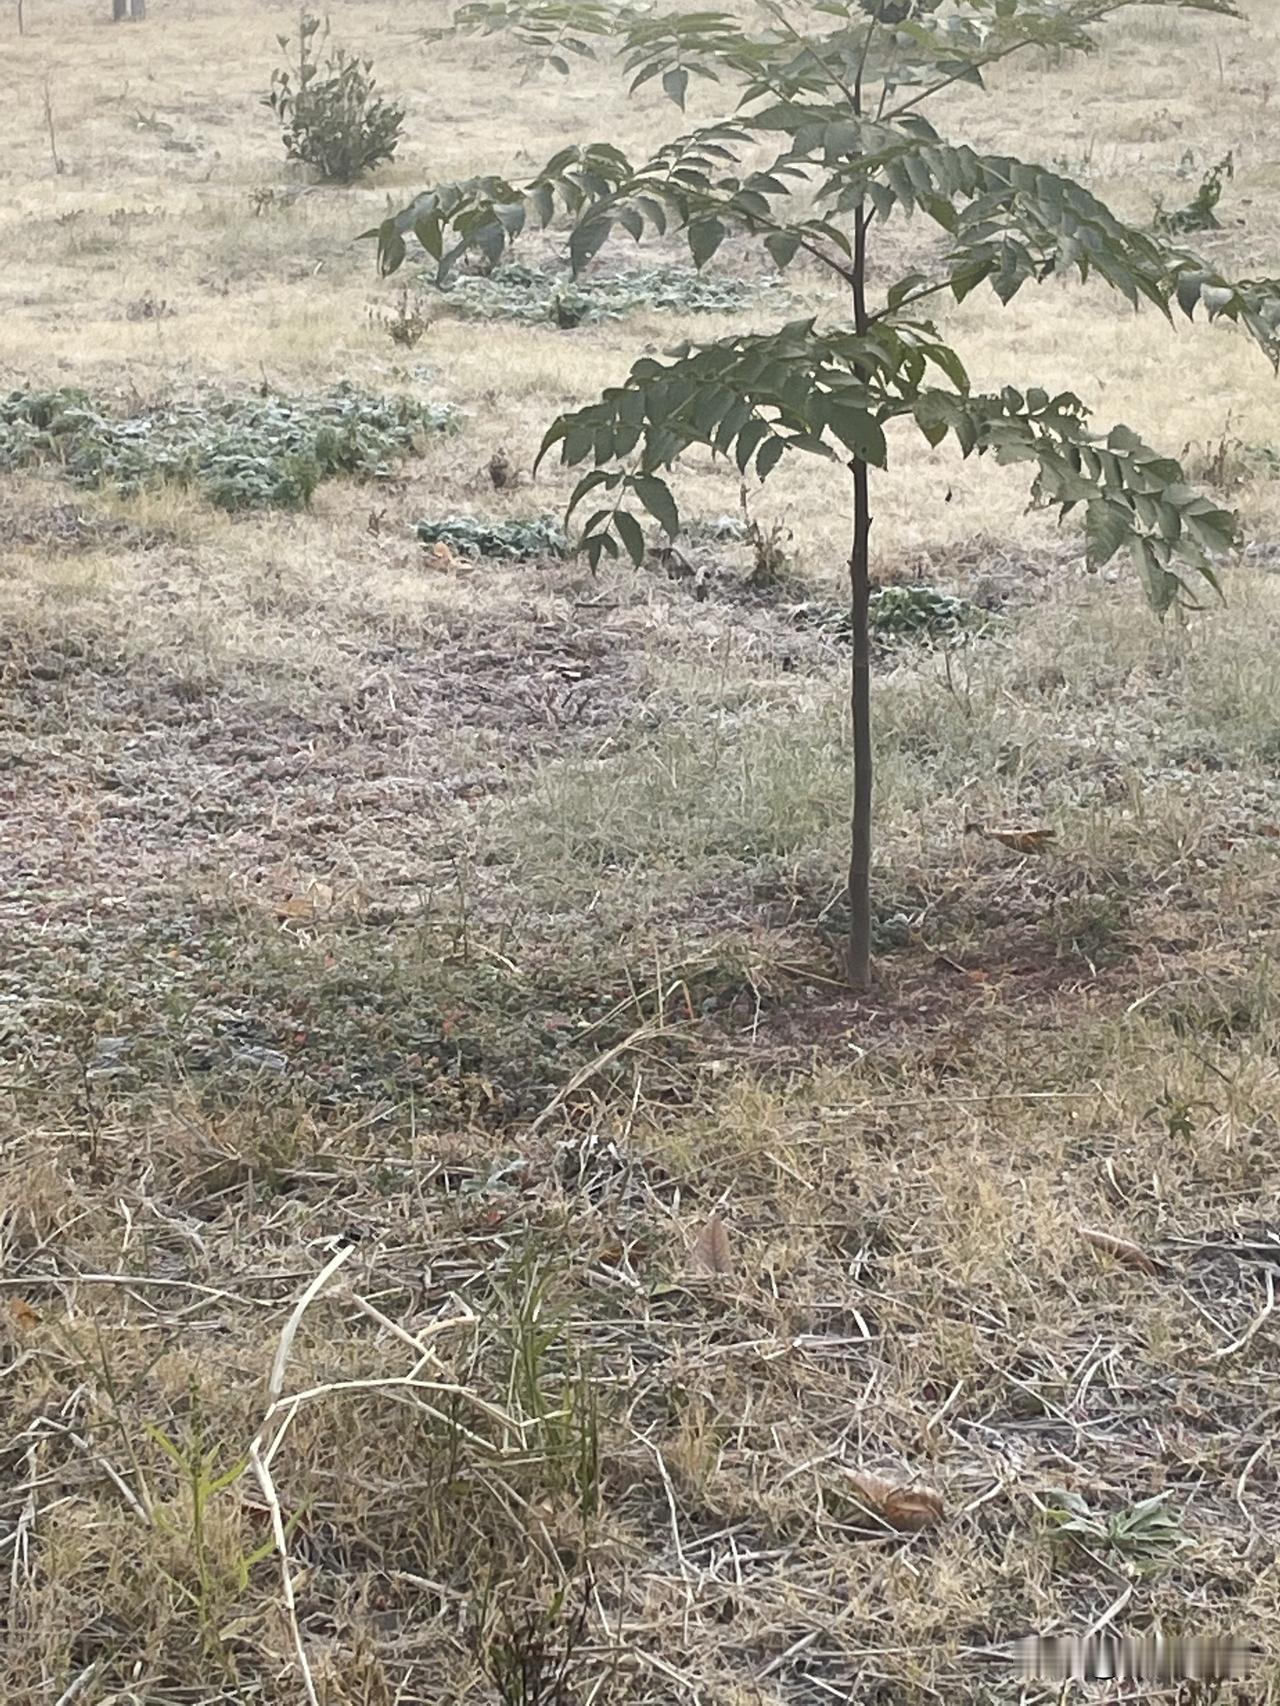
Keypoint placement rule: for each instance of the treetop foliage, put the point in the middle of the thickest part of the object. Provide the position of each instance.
(826, 139)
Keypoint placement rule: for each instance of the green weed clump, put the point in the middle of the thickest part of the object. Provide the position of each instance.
(517, 541)
(900, 614)
(239, 453)
(920, 613)
(536, 296)
(1146, 1533)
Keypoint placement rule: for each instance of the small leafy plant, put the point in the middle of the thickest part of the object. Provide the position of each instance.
(1198, 214)
(332, 117)
(1230, 461)
(530, 1655)
(404, 324)
(205, 1472)
(1146, 1533)
(770, 557)
(517, 541)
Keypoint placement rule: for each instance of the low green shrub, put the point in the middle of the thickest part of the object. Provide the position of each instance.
(240, 453)
(331, 115)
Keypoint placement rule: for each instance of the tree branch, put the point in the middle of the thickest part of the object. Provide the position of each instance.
(993, 58)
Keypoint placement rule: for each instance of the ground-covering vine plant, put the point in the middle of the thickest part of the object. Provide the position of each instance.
(239, 452)
(539, 296)
(516, 540)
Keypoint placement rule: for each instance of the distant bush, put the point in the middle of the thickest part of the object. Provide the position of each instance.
(332, 117)
(240, 453)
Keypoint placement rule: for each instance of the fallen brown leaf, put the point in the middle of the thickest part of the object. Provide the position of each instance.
(302, 907)
(906, 1509)
(1129, 1255)
(1017, 840)
(709, 1253)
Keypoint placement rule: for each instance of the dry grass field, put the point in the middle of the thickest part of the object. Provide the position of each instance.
(464, 927)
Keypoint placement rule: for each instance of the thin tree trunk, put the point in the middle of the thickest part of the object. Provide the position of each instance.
(58, 165)
(859, 945)
(860, 705)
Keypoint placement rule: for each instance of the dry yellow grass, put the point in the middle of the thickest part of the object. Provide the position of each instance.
(475, 920)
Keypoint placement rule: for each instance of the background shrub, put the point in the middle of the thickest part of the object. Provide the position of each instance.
(332, 117)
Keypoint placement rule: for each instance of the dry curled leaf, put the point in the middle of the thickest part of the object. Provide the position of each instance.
(1129, 1255)
(906, 1509)
(438, 556)
(305, 904)
(709, 1253)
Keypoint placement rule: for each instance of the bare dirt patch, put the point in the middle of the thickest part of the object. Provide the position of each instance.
(65, 527)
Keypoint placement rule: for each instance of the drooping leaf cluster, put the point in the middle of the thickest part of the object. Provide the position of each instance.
(831, 394)
(827, 140)
(806, 48)
(1009, 222)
